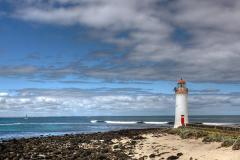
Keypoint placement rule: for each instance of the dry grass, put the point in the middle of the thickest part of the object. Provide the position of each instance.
(227, 139)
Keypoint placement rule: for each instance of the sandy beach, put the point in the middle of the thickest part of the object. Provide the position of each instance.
(165, 146)
(138, 144)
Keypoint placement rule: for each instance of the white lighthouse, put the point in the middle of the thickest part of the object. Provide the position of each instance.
(181, 113)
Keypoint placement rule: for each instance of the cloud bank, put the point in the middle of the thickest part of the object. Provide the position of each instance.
(68, 102)
(156, 39)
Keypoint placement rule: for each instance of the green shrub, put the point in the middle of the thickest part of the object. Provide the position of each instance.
(185, 133)
(213, 138)
(236, 145)
(200, 134)
(191, 133)
(210, 135)
(227, 142)
(207, 139)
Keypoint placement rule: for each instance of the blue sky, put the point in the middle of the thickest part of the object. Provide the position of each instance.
(118, 58)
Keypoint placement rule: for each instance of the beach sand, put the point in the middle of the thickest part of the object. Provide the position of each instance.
(163, 146)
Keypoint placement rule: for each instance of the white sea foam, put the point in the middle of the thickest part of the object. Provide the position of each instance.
(127, 122)
(93, 121)
(156, 122)
(9, 124)
(218, 124)
(122, 122)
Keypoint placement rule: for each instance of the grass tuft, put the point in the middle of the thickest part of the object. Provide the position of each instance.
(236, 145)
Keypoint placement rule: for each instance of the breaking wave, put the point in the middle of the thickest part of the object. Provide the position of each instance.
(219, 124)
(121, 122)
(156, 122)
(128, 122)
(9, 124)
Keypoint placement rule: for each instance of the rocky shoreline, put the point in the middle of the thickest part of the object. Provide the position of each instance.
(119, 145)
(78, 146)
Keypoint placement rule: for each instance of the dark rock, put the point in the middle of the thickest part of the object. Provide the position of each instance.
(133, 142)
(152, 155)
(163, 153)
(87, 153)
(2, 147)
(102, 157)
(115, 146)
(105, 150)
(141, 158)
(179, 154)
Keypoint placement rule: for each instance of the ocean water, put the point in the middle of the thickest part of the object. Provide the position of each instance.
(44, 126)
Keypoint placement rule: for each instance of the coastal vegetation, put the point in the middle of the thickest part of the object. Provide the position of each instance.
(208, 135)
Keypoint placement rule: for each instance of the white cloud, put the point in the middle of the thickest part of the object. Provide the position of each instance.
(44, 99)
(3, 94)
(43, 102)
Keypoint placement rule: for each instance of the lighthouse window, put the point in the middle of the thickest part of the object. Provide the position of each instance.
(180, 85)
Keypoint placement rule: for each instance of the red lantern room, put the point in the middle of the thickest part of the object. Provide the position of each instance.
(181, 81)
(181, 88)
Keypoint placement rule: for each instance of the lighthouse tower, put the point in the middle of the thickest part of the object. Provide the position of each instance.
(181, 113)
